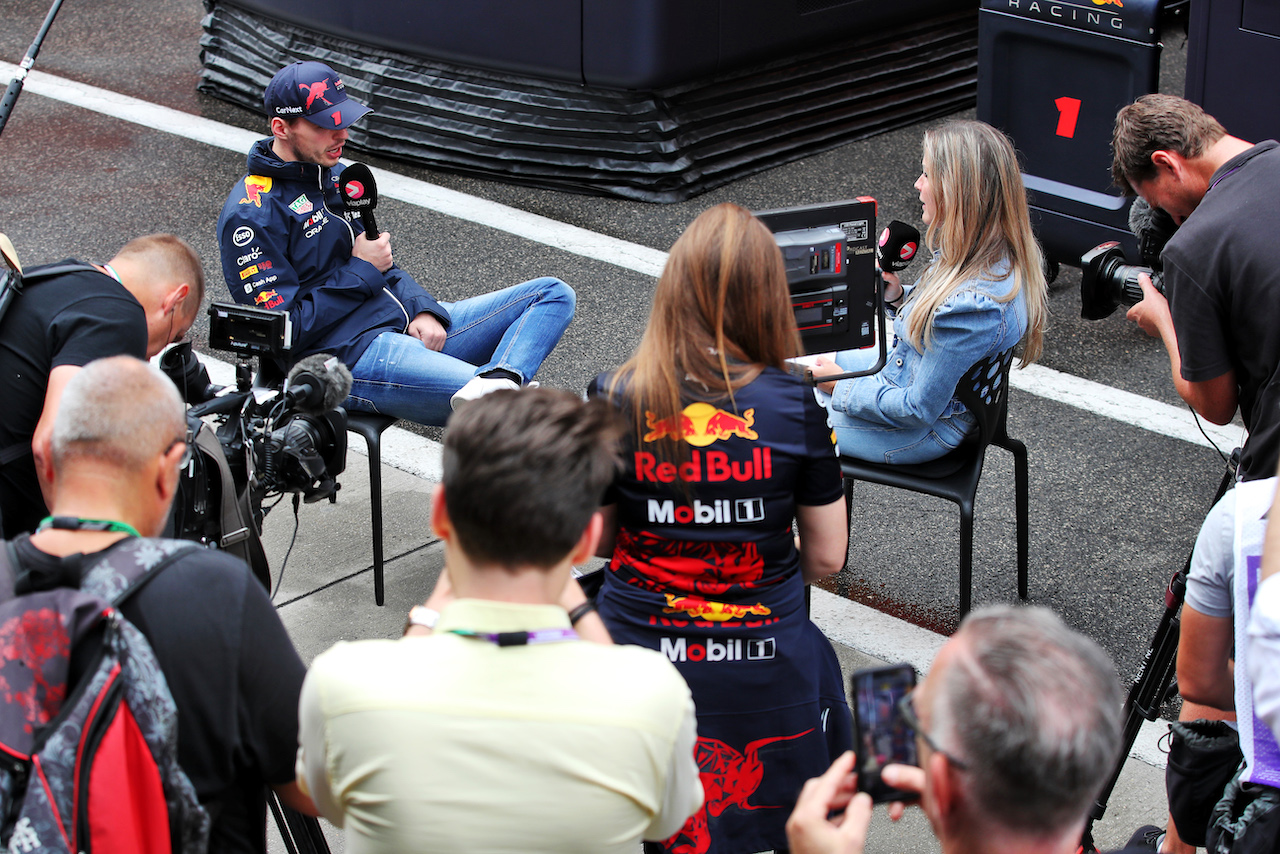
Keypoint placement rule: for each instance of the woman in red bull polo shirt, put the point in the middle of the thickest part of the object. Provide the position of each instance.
(726, 448)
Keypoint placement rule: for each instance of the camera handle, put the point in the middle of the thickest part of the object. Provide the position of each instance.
(881, 332)
(1156, 683)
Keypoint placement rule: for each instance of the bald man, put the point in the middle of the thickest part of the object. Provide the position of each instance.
(118, 443)
(141, 300)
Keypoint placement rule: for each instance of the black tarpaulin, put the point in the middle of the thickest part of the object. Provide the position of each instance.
(659, 146)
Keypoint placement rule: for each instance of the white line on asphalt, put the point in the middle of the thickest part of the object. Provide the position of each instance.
(1044, 382)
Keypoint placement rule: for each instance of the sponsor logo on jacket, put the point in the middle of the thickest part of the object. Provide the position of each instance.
(255, 187)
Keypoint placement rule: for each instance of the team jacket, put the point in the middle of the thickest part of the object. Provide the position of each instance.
(286, 241)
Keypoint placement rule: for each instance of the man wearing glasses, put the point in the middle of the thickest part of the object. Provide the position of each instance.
(1017, 724)
(118, 443)
(144, 298)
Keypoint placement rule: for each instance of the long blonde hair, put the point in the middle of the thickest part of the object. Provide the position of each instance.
(980, 224)
(721, 314)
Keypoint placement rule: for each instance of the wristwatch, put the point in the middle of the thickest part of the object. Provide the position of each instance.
(421, 615)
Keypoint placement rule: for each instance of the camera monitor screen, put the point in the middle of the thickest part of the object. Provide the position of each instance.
(829, 253)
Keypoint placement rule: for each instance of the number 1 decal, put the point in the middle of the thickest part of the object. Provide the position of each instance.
(1068, 112)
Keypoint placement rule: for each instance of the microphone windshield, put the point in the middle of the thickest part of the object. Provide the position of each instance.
(897, 247)
(318, 383)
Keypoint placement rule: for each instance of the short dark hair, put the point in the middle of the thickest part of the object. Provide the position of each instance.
(1035, 709)
(1158, 123)
(523, 472)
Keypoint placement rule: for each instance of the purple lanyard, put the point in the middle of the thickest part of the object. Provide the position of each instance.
(519, 638)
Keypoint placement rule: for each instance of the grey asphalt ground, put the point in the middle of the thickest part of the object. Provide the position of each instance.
(1114, 507)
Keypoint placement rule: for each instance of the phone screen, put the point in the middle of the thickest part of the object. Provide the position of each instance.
(881, 736)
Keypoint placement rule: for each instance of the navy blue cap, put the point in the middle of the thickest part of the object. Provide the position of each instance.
(313, 91)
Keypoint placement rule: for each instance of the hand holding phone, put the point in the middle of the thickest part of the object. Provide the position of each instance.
(880, 734)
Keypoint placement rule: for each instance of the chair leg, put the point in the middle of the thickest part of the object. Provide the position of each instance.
(1019, 452)
(966, 558)
(374, 441)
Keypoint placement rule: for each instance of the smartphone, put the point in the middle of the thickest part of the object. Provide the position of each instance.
(880, 735)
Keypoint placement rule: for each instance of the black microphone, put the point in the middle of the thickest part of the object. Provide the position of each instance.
(361, 194)
(897, 247)
(317, 384)
(1153, 227)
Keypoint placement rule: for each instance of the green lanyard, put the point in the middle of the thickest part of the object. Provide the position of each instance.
(75, 523)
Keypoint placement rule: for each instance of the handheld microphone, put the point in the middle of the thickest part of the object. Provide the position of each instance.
(361, 194)
(317, 384)
(897, 246)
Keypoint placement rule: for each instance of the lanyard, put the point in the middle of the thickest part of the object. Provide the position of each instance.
(74, 523)
(519, 638)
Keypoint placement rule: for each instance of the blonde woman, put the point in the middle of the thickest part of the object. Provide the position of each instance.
(726, 448)
(983, 293)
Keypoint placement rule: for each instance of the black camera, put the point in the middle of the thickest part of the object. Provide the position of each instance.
(278, 436)
(1107, 282)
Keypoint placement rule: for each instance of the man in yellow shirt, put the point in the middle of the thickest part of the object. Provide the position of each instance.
(505, 720)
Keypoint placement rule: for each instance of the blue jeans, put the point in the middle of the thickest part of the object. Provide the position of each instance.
(513, 329)
(879, 442)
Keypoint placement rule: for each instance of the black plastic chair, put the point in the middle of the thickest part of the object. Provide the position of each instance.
(371, 427)
(984, 390)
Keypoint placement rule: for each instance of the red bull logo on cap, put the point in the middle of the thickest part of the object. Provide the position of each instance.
(700, 424)
(315, 90)
(254, 187)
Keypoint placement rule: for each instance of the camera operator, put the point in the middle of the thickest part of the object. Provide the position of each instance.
(1222, 267)
(141, 300)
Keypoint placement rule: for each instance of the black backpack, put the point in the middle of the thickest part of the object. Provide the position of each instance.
(90, 766)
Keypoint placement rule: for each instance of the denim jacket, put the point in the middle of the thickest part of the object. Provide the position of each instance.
(917, 390)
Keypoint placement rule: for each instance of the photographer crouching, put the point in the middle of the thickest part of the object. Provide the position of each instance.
(1215, 315)
(1221, 267)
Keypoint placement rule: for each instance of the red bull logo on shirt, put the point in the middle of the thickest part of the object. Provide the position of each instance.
(716, 612)
(254, 187)
(700, 424)
(729, 779)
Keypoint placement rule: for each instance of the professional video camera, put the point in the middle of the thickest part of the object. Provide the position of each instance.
(269, 440)
(1107, 281)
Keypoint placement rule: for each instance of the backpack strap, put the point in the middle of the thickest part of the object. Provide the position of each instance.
(48, 271)
(128, 566)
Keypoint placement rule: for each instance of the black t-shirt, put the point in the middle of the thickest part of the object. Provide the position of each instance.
(66, 320)
(233, 673)
(1222, 270)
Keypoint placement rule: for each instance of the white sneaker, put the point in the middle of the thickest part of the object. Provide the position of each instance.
(479, 387)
